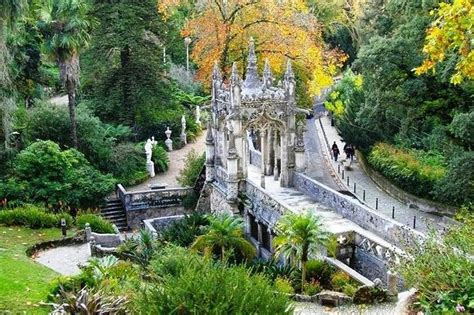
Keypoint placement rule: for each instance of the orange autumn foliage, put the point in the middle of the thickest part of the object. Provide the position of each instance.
(282, 29)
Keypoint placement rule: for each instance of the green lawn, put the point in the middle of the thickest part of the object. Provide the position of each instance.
(23, 282)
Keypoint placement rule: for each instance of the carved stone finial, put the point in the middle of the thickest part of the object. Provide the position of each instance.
(289, 75)
(234, 77)
(252, 80)
(216, 73)
(267, 74)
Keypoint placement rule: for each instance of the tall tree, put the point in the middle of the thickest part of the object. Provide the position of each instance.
(300, 236)
(451, 34)
(221, 30)
(10, 10)
(224, 233)
(65, 25)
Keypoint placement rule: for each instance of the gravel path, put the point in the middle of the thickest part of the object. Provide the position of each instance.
(65, 259)
(177, 163)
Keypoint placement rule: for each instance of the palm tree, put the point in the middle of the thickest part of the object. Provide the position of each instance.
(224, 232)
(300, 236)
(10, 10)
(65, 26)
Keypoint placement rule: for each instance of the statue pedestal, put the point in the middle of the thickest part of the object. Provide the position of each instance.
(183, 138)
(169, 144)
(150, 167)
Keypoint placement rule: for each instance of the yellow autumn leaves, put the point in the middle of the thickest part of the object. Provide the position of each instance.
(451, 32)
(281, 29)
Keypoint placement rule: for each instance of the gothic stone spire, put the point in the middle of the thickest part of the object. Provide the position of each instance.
(267, 75)
(252, 80)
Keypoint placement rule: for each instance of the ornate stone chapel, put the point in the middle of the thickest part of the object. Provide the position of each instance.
(251, 112)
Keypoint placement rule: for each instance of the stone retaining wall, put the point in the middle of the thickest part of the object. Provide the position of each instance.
(398, 193)
(142, 205)
(390, 230)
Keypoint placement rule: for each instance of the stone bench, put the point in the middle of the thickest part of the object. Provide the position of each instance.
(157, 186)
(102, 244)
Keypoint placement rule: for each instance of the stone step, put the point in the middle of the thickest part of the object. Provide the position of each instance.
(114, 217)
(112, 210)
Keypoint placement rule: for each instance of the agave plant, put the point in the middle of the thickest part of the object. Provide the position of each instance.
(88, 302)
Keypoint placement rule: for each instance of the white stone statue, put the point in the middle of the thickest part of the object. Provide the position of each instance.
(183, 130)
(148, 150)
(150, 166)
(198, 115)
(168, 141)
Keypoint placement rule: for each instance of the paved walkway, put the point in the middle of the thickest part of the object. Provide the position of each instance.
(65, 259)
(316, 165)
(400, 307)
(327, 135)
(298, 202)
(177, 163)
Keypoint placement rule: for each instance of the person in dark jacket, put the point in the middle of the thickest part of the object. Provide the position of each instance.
(335, 151)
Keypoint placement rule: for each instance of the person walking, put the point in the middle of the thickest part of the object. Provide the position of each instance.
(335, 151)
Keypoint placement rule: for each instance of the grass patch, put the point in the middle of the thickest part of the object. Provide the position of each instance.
(23, 282)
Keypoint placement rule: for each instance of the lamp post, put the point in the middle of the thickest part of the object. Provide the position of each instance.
(187, 41)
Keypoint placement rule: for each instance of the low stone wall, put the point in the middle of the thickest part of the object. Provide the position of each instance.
(387, 228)
(398, 193)
(142, 205)
(155, 226)
(262, 206)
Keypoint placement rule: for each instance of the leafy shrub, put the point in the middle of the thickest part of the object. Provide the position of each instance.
(415, 171)
(331, 246)
(127, 163)
(193, 167)
(339, 279)
(349, 289)
(442, 271)
(192, 284)
(160, 158)
(33, 217)
(319, 270)
(184, 232)
(284, 285)
(312, 288)
(273, 269)
(139, 250)
(97, 223)
(57, 178)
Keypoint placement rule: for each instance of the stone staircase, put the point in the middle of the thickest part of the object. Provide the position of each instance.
(115, 213)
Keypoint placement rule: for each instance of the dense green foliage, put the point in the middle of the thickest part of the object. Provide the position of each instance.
(97, 223)
(33, 217)
(192, 284)
(183, 232)
(442, 271)
(224, 238)
(44, 173)
(301, 235)
(415, 171)
(387, 102)
(193, 167)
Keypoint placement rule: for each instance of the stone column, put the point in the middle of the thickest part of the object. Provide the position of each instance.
(392, 285)
(263, 152)
(247, 222)
(276, 154)
(270, 237)
(259, 228)
(284, 181)
(210, 154)
(268, 151)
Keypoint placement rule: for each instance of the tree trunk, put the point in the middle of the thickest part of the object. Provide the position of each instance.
(222, 253)
(126, 84)
(71, 95)
(304, 259)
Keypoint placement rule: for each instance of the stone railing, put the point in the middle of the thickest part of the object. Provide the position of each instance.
(255, 156)
(221, 177)
(140, 205)
(390, 230)
(264, 207)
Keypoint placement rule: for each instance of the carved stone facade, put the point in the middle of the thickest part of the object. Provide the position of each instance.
(252, 106)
